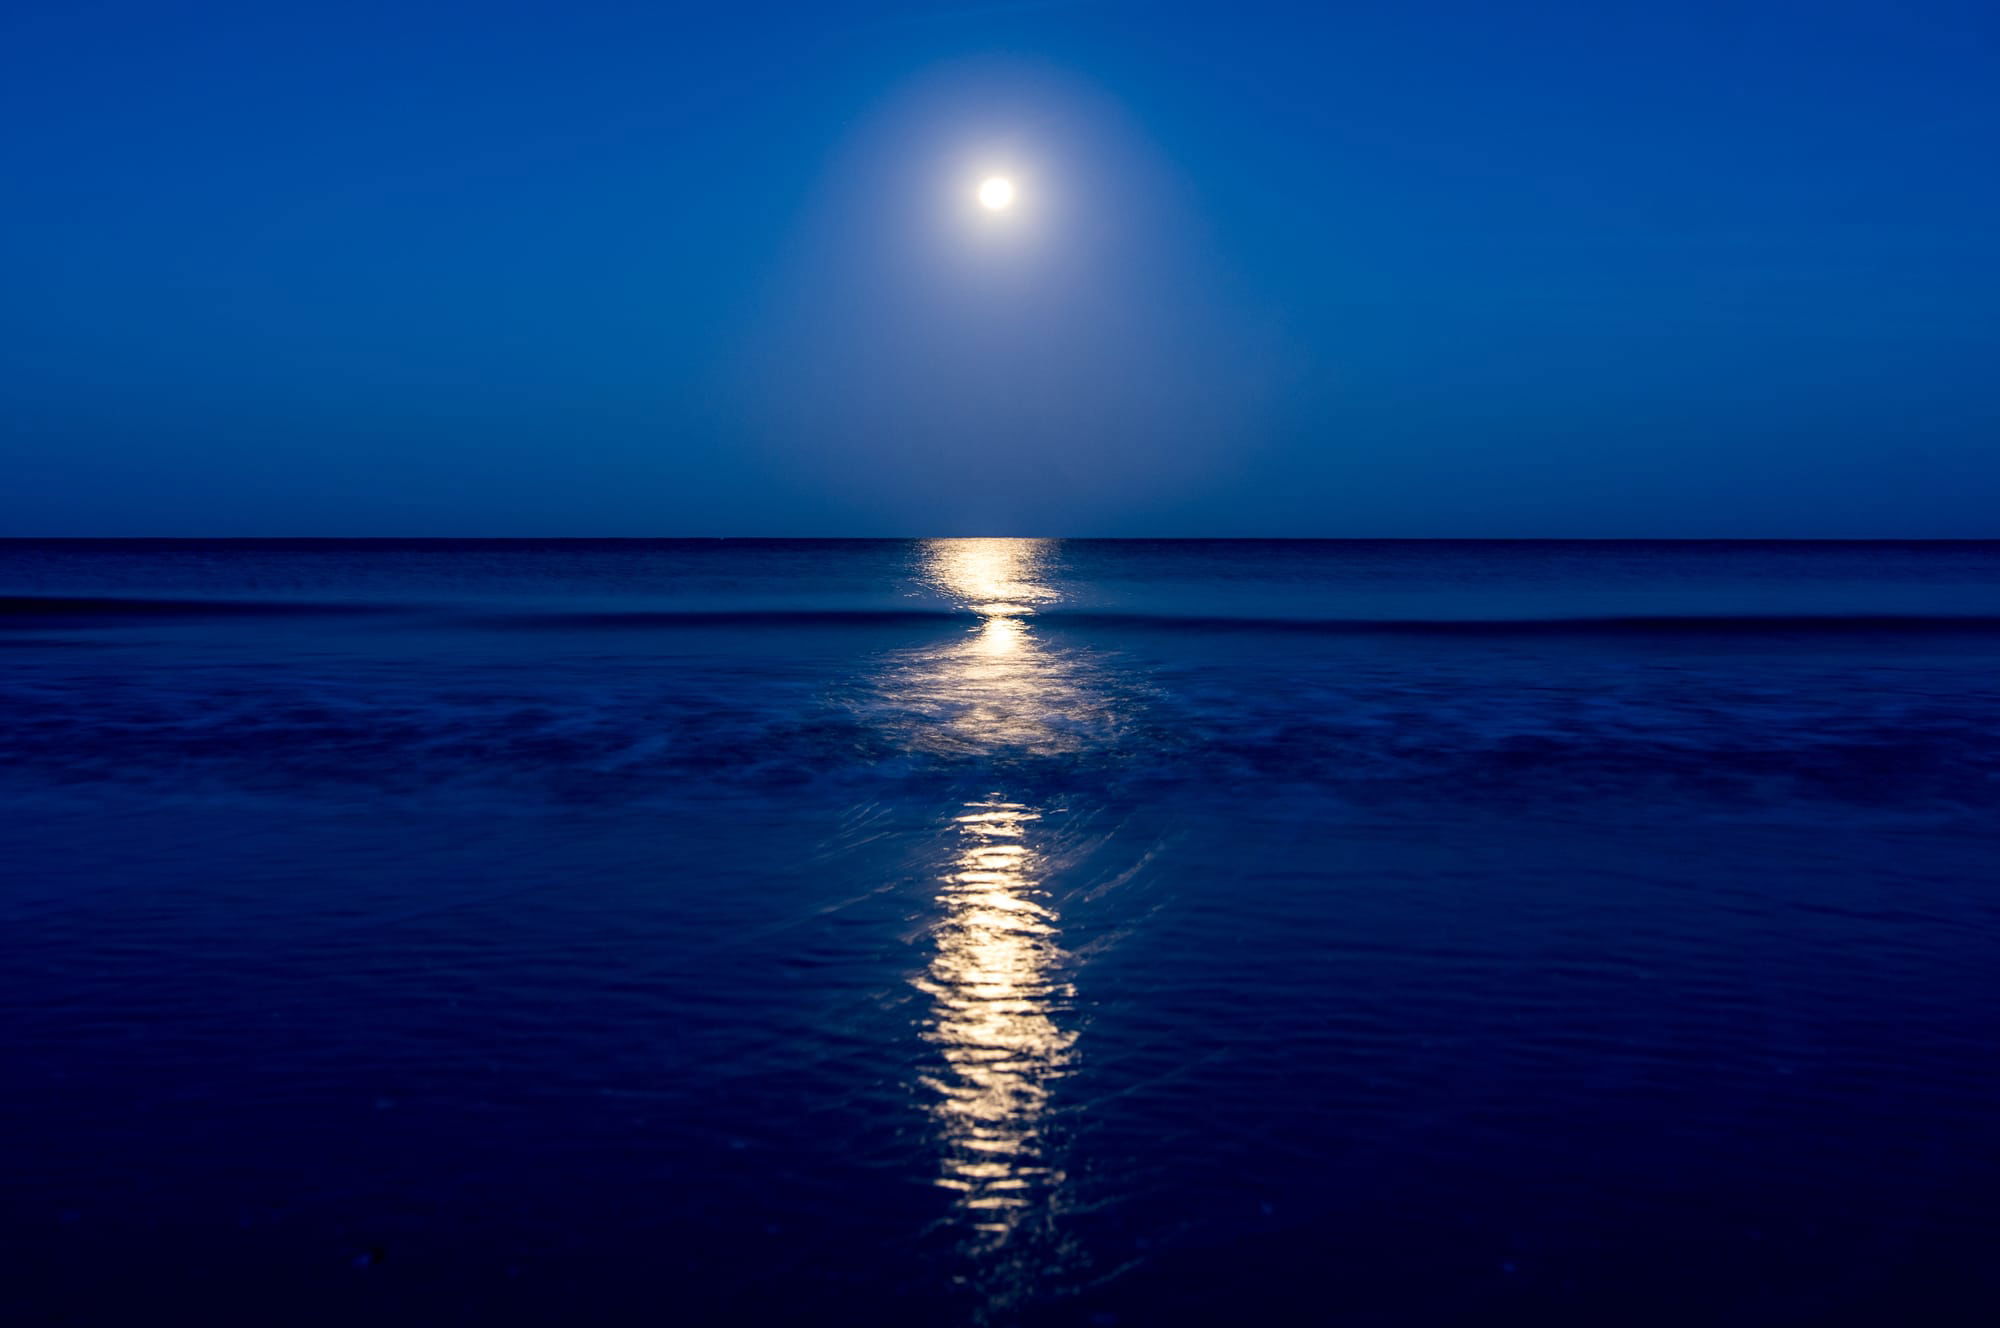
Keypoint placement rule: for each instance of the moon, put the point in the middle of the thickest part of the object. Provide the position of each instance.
(996, 193)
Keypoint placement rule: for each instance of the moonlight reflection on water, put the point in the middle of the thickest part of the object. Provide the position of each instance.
(996, 980)
(996, 994)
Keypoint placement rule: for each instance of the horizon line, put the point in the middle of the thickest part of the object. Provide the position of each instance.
(1106, 539)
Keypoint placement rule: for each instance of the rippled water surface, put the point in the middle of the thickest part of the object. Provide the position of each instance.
(999, 931)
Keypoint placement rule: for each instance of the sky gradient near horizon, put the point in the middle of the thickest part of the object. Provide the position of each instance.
(1593, 269)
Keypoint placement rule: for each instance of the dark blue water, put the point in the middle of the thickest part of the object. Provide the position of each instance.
(999, 931)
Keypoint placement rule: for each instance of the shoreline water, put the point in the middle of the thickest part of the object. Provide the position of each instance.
(1033, 950)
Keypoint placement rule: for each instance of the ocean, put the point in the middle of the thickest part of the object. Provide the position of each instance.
(999, 931)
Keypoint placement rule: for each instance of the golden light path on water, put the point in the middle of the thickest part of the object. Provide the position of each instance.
(995, 980)
(994, 690)
(995, 993)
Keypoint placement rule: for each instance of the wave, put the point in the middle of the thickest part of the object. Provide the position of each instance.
(1610, 623)
(72, 607)
(1726, 742)
(25, 610)
(669, 618)
(1095, 618)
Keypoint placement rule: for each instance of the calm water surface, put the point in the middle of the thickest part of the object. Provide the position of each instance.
(999, 931)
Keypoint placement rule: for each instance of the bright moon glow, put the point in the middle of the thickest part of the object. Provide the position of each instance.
(996, 193)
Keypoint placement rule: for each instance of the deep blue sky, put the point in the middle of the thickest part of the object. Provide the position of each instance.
(1582, 268)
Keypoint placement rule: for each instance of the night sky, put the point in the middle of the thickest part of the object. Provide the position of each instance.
(1415, 269)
